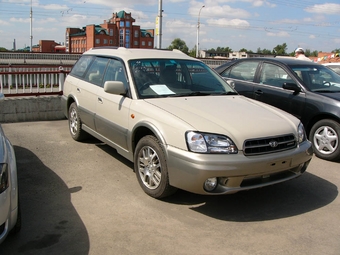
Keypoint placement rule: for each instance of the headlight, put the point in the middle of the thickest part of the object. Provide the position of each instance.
(210, 143)
(301, 133)
(4, 182)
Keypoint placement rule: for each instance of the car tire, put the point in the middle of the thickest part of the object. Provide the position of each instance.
(74, 123)
(151, 168)
(325, 137)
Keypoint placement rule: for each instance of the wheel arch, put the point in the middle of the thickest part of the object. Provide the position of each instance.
(321, 116)
(70, 99)
(143, 129)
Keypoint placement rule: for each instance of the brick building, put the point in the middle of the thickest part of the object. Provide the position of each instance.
(48, 46)
(117, 31)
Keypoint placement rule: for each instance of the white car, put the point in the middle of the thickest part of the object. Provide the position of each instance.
(180, 123)
(10, 219)
(334, 66)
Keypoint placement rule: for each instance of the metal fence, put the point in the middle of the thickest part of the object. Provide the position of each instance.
(31, 74)
(32, 81)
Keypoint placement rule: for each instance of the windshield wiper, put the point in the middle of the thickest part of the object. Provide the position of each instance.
(194, 93)
(227, 93)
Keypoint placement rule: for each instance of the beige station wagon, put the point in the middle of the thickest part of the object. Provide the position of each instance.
(180, 123)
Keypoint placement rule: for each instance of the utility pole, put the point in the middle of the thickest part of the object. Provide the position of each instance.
(159, 25)
(198, 31)
(31, 17)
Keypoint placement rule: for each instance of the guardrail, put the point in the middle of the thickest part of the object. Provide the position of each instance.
(32, 81)
(37, 58)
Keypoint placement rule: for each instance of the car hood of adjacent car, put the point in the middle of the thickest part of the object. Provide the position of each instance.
(238, 117)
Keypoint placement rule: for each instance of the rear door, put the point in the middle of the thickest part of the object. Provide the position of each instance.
(243, 74)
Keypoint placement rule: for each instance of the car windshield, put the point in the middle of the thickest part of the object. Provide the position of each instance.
(318, 78)
(155, 78)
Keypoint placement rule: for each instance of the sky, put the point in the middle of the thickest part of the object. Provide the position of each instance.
(237, 24)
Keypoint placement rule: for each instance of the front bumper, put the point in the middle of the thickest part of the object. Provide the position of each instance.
(235, 172)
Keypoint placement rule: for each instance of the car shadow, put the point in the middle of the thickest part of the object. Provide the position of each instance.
(50, 223)
(301, 195)
(304, 194)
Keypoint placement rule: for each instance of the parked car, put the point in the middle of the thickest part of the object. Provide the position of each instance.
(308, 90)
(180, 123)
(334, 66)
(10, 217)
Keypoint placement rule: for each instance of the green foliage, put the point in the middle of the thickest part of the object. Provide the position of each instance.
(3, 49)
(264, 51)
(180, 45)
(280, 50)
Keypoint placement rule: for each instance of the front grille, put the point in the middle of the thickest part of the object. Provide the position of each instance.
(269, 145)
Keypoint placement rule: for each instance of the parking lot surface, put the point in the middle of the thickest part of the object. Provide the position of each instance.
(83, 198)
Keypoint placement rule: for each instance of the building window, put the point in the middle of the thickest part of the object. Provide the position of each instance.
(121, 24)
(127, 38)
(97, 41)
(135, 43)
(136, 33)
(111, 42)
(121, 37)
(105, 41)
(111, 32)
(127, 23)
(143, 43)
(149, 43)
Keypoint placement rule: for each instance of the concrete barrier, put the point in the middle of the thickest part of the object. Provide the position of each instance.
(20, 109)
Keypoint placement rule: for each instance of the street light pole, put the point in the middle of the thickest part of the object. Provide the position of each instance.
(198, 31)
(31, 18)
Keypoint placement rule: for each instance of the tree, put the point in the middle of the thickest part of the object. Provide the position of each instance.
(280, 50)
(224, 49)
(192, 52)
(179, 45)
(3, 49)
(264, 51)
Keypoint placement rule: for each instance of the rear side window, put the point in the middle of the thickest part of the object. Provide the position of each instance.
(242, 71)
(82, 65)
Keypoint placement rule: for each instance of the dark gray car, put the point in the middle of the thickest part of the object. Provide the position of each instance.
(308, 90)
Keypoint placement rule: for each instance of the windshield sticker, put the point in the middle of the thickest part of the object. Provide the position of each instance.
(162, 90)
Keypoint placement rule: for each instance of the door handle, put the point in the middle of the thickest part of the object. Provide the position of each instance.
(78, 90)
(100, 100)
(258, 92)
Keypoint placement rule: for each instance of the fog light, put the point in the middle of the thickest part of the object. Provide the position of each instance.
(210, 184)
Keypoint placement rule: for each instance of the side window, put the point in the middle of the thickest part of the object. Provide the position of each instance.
(115, 72)
(82, 65)
(96, 71)
(274, 75)
(243, 71)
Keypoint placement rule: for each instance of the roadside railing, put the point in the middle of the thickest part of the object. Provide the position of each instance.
(32, 81)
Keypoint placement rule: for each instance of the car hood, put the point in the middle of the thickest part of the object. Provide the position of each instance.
(238, 117)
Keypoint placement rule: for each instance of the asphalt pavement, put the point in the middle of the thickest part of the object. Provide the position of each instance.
(83, 198)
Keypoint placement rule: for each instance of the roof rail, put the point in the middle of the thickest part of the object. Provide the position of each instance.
(104, 47)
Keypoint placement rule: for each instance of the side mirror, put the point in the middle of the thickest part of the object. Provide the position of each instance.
(291, 86)
(115, 87)
(231, 83)
(2, 97)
